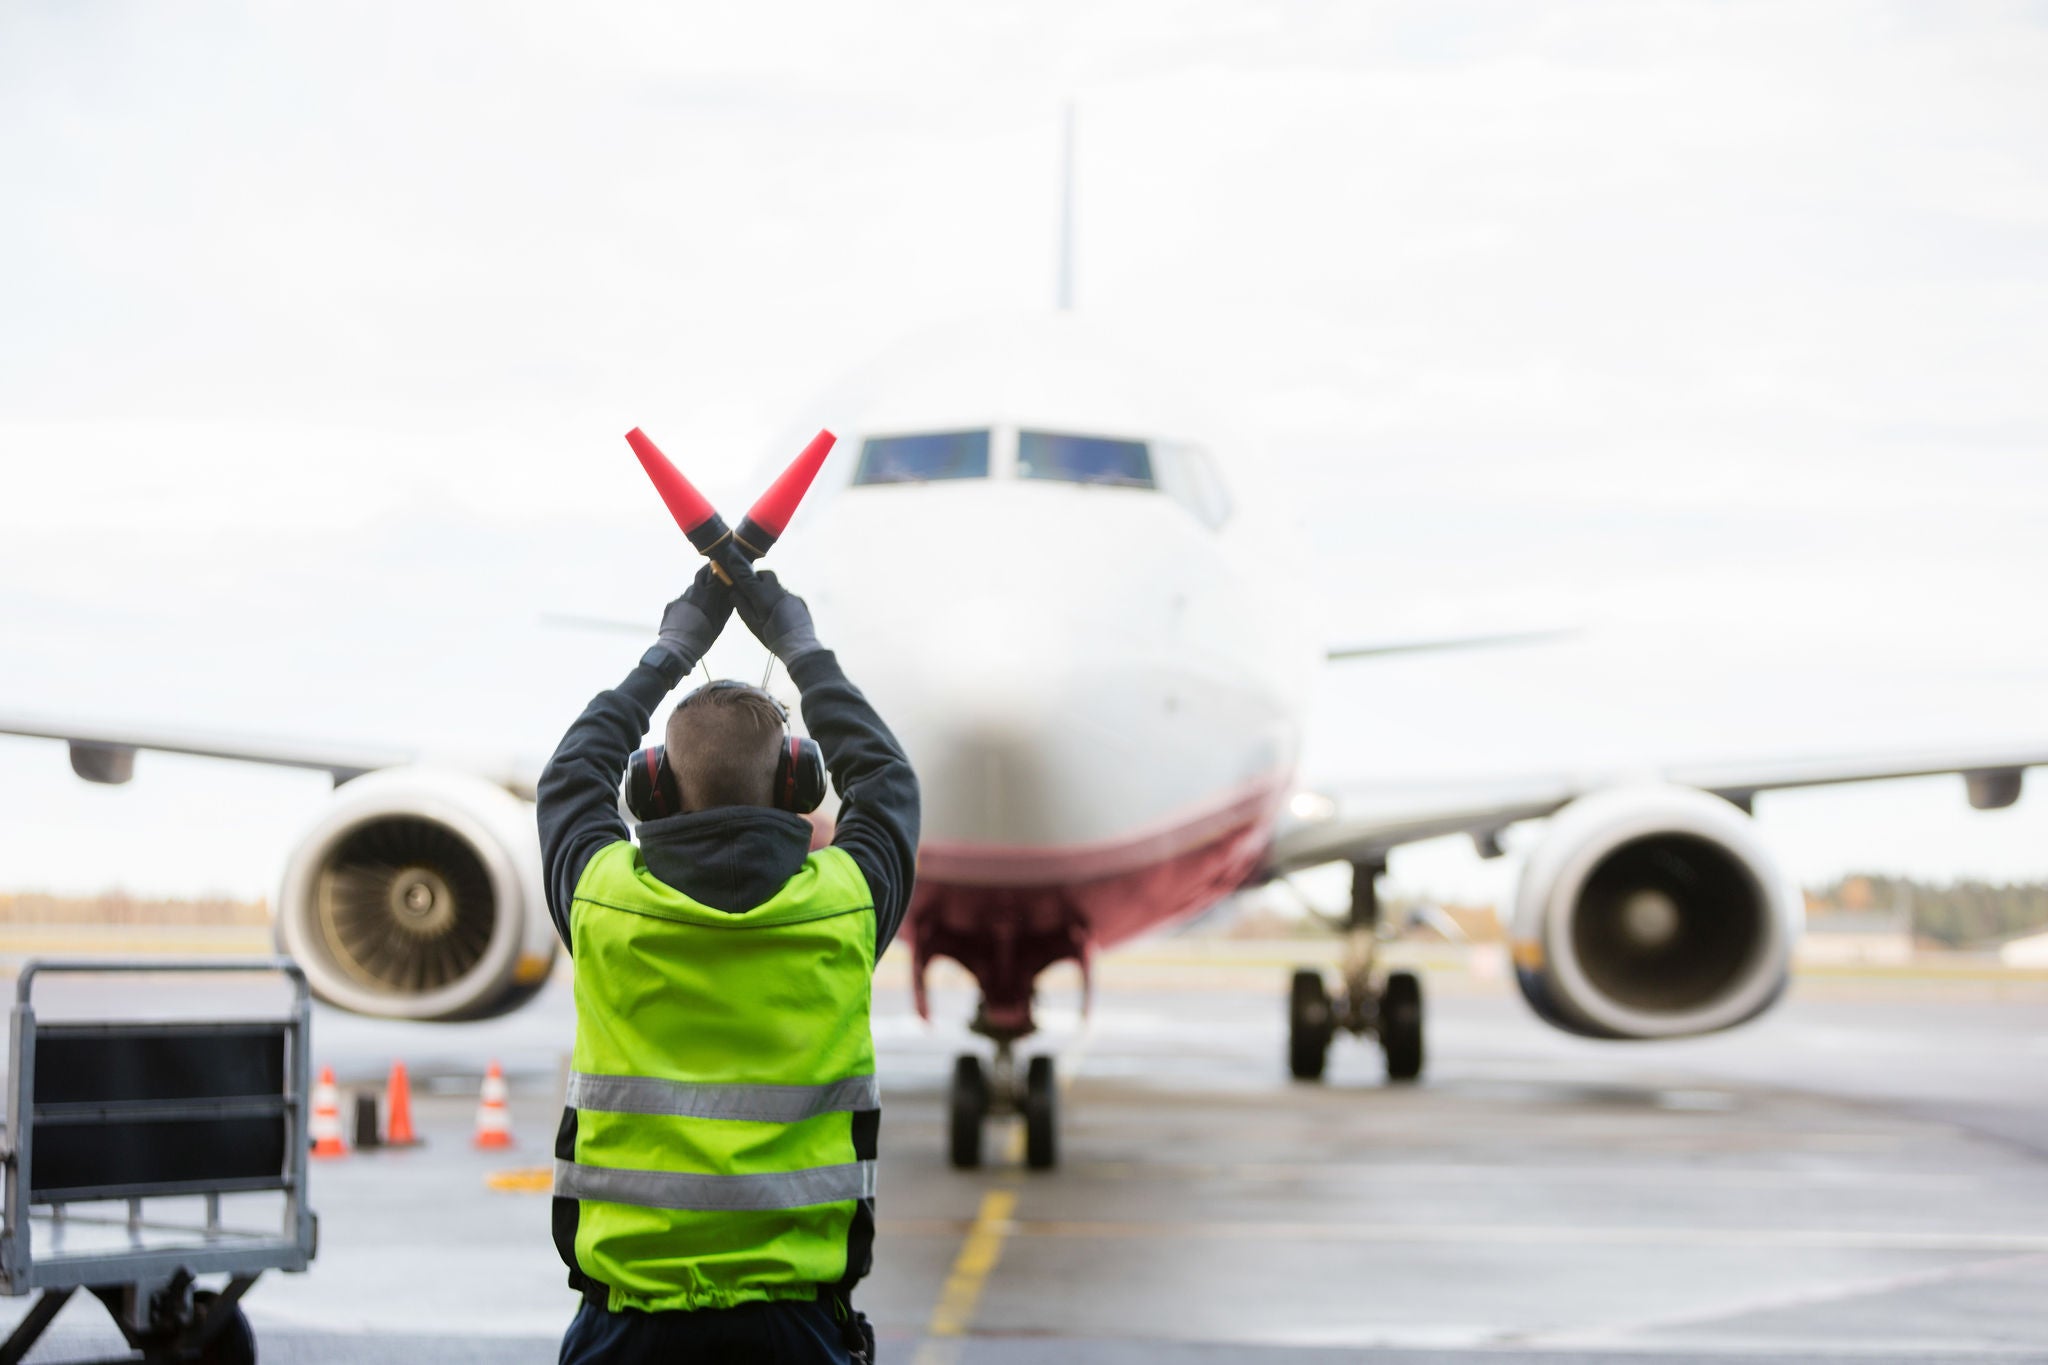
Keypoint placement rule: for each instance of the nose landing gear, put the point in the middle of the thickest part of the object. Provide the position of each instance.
(967, 1109)
(1389, 1008)
(980, 1093)
(1392, 1013)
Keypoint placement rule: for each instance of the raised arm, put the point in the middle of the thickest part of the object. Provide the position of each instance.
(878, 801)
(577, 800)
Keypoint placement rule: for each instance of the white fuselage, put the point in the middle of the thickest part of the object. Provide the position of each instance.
(1087, 678)
(1074, 671)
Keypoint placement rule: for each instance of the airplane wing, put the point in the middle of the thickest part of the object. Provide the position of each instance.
(1378, 649)
(1363, 824)
(572, 620)
(106, 754)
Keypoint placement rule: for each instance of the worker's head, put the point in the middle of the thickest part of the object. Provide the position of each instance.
(724, 743)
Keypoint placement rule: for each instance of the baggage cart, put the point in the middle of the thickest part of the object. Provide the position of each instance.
(124, 1139)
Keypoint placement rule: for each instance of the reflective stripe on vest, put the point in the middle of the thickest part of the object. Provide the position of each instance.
(756, 1103)
(732, 1193)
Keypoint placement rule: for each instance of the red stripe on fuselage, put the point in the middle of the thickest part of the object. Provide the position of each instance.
(1006, 927)
(1007, 934)
(1027, 865)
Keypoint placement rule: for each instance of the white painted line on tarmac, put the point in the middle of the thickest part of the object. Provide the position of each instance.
(1458, 1234)
(1831, 1291)
(1491, 1341)
(1400, 1173)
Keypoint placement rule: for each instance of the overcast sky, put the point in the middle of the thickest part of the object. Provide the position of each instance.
(1717, 330)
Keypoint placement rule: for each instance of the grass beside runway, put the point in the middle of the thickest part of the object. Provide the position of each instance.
(130, 940)
(1169, 962)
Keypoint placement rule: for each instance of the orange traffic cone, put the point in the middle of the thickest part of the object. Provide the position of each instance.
(493, 1120)
(398, 1104)
(327, 1117)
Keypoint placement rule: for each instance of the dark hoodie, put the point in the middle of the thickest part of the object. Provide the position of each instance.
(734, 857)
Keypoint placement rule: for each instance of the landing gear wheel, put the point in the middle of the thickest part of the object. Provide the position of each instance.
(966, 1110)
(1400, 1026)
(234, 1343)
(1310, 1022)
(1041, 1115)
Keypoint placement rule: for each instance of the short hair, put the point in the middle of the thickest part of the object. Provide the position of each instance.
(723, 743)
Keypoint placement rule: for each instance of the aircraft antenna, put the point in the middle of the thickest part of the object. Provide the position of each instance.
(1065, 302)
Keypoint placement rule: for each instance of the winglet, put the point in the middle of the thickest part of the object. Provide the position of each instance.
(769, 517)
(693, 512)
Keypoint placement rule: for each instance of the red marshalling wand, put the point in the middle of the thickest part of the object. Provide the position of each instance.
(692, 510)
(765, 521)
(769, 517)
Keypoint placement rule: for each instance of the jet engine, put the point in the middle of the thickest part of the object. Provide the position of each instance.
(417, 895)
(1652, 912)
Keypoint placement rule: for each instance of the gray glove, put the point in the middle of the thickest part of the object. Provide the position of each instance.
(693, 620)
(777, 616)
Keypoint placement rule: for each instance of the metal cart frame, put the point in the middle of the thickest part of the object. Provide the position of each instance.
(148, 1109)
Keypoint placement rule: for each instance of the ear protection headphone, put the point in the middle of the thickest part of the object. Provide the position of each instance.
(651, 789)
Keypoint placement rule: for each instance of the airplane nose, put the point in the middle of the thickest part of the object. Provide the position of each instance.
(1004, 653)
(1062, 666)
(1004, 729)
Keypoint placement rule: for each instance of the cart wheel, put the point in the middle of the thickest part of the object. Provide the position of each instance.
(234, 1343)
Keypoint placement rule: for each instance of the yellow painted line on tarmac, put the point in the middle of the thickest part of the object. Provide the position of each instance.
(954, 1314)
(522, 1180)
(983, 1246)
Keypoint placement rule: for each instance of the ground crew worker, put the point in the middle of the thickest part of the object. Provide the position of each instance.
(714, 1172)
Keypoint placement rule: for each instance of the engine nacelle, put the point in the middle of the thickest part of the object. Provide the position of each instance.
(1652, 912)
(417, 895)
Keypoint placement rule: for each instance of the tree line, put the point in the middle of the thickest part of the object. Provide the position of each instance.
(1961, 914)
(118, 907)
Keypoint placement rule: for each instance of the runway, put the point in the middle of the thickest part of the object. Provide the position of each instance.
(1863, 1174)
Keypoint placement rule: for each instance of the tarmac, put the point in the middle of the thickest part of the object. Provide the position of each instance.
(1863, 1174)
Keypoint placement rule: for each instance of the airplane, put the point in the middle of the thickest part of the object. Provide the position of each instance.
(1040, 565)
(1045, 574)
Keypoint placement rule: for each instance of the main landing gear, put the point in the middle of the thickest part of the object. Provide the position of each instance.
(980, 1093)
(1388, 1007)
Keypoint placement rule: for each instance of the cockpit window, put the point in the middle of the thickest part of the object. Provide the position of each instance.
(923, 458)
(1084, 459)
